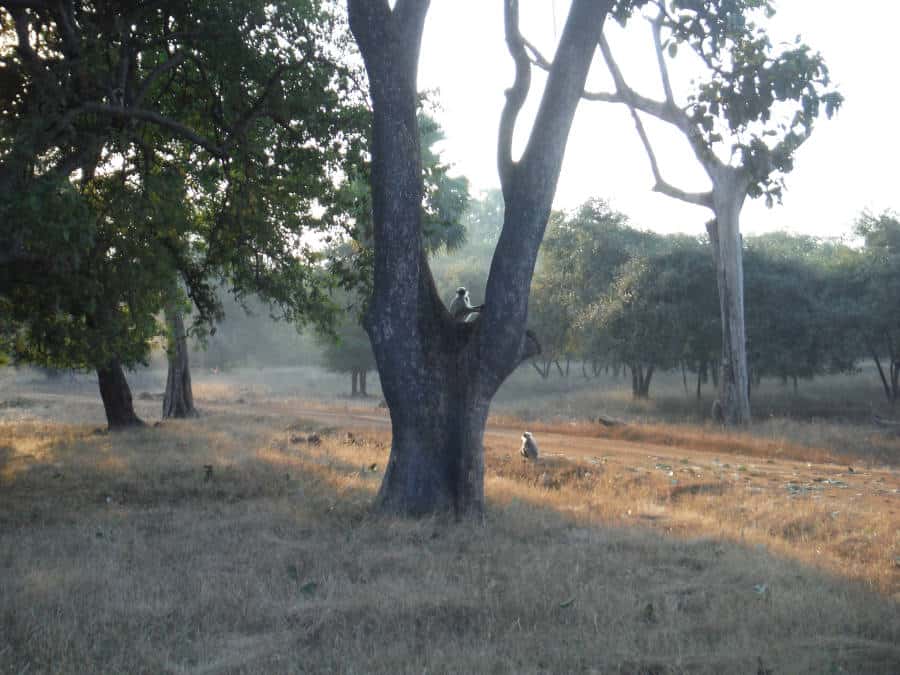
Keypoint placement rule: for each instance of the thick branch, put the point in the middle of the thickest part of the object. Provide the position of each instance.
(515, 95)
(530, 183)
(661, 59)
(154, 118)
(367, 20)
(155, 74)
(410, 14)
(661, 186)
(667, 111)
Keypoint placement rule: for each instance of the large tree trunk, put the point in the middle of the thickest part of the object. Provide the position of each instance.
(439, 376)
(179, 397)
(725, 239)
(116, 397)
(437, 455)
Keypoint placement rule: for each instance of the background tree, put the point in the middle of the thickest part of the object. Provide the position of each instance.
(590, 246)
(759, 99)
(659, 313)
(439, 376)
(248, 115)
(877, 276)
(349, 351)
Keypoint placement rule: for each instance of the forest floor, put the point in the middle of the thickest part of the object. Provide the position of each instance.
(244, 541)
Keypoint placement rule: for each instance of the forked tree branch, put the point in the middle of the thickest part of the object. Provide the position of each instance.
(661, 186)
(515, 95)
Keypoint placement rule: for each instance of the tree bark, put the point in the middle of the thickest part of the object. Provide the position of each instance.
(725, 240)
(439, 376)
(354, 378)
(699, 383)
(116, 395)
(640, 381)
(362, 384)
(178, 401)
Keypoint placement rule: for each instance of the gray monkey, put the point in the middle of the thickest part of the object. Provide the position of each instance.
(529, 447)
(461, 309)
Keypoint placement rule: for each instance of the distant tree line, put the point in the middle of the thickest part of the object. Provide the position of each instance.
(613, 296)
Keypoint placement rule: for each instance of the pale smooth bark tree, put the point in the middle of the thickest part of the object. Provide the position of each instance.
(439, 376)
(763, 101)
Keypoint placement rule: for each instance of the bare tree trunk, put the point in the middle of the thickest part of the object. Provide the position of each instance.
(439, 376)
(116, 395)
(640, 381)
(179, 397)
(354, 378)
(362, 384)
(725, 239)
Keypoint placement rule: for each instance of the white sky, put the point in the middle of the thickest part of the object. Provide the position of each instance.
(847, 165)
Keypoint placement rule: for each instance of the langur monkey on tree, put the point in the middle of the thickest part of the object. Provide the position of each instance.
(461, 309)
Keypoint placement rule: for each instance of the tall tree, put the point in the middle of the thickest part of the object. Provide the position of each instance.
(446, 199)
(241, 106)
(762, 100)
(877, 274)
(439, 376)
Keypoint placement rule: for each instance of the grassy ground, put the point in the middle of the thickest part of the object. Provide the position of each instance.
(125, 553)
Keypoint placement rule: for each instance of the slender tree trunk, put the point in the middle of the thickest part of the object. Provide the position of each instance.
(543, 371)
(884, 380)
(179, 397)
(725, 239)
(354, 378)
(796, 386)
(645, 382)
(699, 383)
(362, 384)
(559, 368)
(895, 381)
(116, 395)
(684, 379)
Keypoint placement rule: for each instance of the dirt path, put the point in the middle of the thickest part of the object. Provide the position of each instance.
(782, 475)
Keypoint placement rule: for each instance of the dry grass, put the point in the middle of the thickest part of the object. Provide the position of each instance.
(118, 555)
(697, 437)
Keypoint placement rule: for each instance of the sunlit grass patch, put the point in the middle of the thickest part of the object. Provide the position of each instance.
(245, 541)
